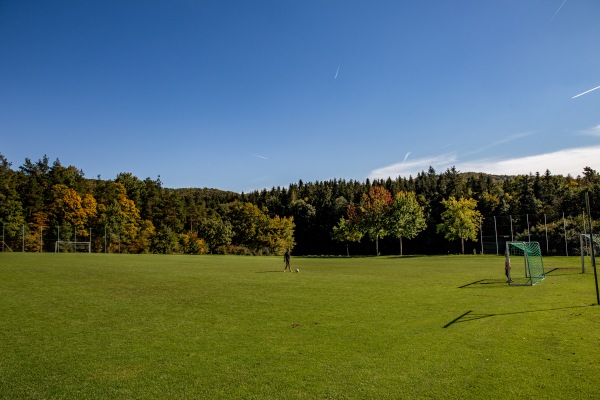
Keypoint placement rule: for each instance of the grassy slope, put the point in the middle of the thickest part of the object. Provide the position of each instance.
(115, 326)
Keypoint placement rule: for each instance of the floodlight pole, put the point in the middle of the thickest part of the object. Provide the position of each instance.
(587, 203)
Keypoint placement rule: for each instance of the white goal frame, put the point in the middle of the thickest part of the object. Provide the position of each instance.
(72, 247)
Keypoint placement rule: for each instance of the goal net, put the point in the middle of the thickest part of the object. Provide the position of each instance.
(72, 247)
(527, 264)
(588, 243)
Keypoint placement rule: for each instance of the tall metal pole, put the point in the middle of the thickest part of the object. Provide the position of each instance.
(582, 242)
(481, 234)
(565, 229)
(587, 203)
(546, 226)
(496, 232)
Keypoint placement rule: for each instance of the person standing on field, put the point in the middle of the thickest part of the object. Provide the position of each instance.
(507, 267)
(286, 258)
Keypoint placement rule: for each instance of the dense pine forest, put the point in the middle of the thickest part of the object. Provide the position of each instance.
(43, 204)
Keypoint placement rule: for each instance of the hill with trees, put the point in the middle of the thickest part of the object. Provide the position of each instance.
(431, 213)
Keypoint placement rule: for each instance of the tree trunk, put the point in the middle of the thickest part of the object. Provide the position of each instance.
(347, 249)
(377, 245)
(462, 245)
(400, 245)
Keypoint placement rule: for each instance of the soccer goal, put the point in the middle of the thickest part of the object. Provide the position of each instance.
(588, 243)
(72, 247)
(530, 270)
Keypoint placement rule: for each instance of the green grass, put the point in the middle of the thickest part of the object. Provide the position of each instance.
(81, 326)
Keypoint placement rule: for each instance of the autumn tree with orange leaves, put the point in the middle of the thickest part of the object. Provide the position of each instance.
(371, 214)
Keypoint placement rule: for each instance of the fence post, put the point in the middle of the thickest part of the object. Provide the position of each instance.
(546, 227)
(565, 230)
(587, 201)
(481, 234)
(496, 233)
(581, 239)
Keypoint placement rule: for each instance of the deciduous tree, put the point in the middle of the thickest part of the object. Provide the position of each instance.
(460, 220)
(371, 215)
(346, 231)
(406, 217)
(70, 209)
(215, 232)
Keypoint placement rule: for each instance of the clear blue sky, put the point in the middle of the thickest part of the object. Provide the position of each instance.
(244, 95)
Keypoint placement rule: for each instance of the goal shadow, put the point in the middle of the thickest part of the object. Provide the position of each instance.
(564, 271)
(472, 316)
(484, 282)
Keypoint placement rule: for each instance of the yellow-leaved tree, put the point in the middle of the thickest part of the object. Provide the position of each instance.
(460, 220)
(70, 209)
(126, 231)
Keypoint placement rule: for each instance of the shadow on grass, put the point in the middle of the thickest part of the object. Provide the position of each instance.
(485, 282)
(266, 272)
(470, 316)
(553, 272)
(372, 256)
(564, 271)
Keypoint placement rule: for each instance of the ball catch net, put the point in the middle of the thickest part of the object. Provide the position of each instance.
(72, 247)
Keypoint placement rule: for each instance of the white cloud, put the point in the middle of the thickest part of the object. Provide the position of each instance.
(413, 167)
(563, 162)
(595, 131)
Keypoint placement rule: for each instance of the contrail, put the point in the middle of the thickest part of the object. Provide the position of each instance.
(406, 156)
(563, 3)
(591, 90)
(337, 72)
(259, 156)
(551, 18)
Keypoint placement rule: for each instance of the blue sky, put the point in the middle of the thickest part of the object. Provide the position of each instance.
(245, 95)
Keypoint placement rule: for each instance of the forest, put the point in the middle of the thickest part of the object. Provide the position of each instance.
(44, 204)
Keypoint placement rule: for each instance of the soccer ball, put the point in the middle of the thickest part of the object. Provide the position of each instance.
(297, 270)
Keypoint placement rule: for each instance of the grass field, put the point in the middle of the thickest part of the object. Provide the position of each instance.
(96, 326)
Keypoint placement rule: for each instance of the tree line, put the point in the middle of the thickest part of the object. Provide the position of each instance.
(431, 213)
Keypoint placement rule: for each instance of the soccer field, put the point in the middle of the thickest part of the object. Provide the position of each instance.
(83, 326)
